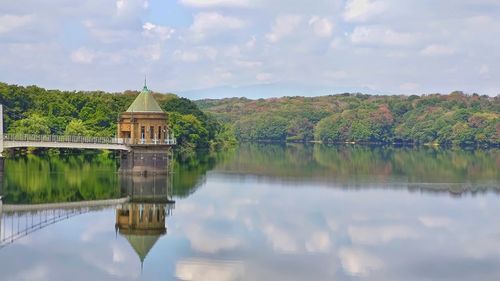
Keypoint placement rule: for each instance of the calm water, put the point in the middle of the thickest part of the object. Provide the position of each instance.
(261, 212)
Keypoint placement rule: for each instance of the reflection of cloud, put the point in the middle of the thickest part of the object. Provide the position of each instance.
(359, 262)
(209, 270)
(197, 210)
(432, 222)
(116, 262)
(39, 272)
(281, 239)
(332, 224)
(206, 241)
(98, 227)
(486, 247)
(319, 242)
(119, 255)
(373, 235)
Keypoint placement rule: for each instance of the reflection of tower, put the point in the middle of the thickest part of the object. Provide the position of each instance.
(142, 220)
(142, 224)
(145, 162)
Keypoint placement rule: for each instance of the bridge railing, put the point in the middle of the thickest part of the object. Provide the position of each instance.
(84, 139)
(61, 138)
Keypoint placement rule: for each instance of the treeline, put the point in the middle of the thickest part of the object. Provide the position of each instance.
(453, 119)
(34, 110)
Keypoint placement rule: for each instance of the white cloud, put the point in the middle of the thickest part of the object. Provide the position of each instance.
(83, 55)
(251, 43)
(157, 31)
(120, 4)
(212, 22)
(195, 54)
(336, 75)
(128, 7)
(484, 69)
(186, 56)
(437, 50)
(283, 26)
(322, 27)
(264, 76)
(106, 34)
(9, 23)
(358, 262)
(129, 38)
(409, 86)
(379, 35)
(248, 63)
(363, 10)
(151, 52)
(216, 3)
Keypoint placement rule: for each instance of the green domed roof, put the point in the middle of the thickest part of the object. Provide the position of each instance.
(145, 102)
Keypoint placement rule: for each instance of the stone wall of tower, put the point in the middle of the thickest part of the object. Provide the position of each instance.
(150, 128)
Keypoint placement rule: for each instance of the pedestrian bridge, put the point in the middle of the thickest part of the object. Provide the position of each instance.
(8, 141)
(78, 142)
(54, 141)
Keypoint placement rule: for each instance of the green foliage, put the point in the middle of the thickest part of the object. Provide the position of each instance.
(34, 124)
(264, 127)
(188, 130)
(454, 119)
(76, 127)
(34, 110)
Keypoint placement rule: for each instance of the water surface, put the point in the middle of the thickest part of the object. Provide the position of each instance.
(261, 212)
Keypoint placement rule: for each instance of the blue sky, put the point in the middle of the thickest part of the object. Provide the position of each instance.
(255, 48)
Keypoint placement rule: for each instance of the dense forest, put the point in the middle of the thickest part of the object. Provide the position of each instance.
(453, 119)
(34, 110)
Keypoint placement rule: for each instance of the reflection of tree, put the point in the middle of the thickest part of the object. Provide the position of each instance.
(60, 178)
(356, 163)
(190, 171)
(291, 160)
(50, 178)
(419, 168)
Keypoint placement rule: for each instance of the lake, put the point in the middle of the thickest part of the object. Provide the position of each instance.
(259, 212)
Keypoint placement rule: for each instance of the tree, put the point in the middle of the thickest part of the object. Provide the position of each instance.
(34, 124)
(76, 127)
(188, 130)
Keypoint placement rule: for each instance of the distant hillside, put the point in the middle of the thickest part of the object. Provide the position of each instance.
(455, 118)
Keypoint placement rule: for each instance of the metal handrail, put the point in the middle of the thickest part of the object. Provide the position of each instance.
(82, 139)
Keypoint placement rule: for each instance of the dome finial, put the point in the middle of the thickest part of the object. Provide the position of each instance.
(145, 84)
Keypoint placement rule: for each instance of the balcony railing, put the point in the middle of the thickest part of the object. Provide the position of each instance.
(83, 139)
(168, 141)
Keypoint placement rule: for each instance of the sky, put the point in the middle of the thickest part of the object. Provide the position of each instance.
(253, 48)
